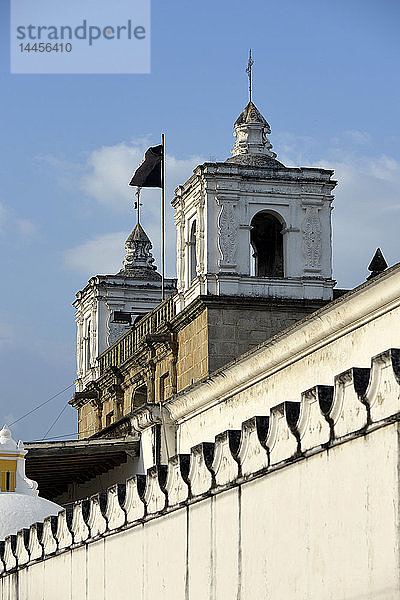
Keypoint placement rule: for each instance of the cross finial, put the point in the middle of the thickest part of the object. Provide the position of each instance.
(137, 203)
(249, 73)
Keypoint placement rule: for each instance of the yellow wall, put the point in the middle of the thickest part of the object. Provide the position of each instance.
(7, 466)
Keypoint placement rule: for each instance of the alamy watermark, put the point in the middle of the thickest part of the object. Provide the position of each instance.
(94, 36)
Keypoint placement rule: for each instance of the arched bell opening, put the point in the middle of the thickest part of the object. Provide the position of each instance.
(139, 396)
(266, 241)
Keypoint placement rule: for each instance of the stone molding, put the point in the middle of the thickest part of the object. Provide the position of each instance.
(225, 465)
(134, 505)
(63, 533)
(114, 513)
(96, 521)
(49, 541)
(145, 416)
(177, 483)
(363, 399)
(312, 425)
(200, 471)
(253, 452)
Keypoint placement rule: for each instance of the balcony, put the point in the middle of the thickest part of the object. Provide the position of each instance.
(131, 341)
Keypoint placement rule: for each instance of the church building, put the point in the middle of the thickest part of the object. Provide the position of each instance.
(254, 256)
(238, 439)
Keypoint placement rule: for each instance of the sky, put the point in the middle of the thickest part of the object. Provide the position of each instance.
(326, 78)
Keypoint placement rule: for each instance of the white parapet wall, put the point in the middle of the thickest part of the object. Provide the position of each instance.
(301, 504)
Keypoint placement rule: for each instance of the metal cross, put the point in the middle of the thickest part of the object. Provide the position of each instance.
(249, 73)
(137, 203)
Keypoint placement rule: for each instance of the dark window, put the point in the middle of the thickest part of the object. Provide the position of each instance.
(109, 418)
(121, 317)
(8, 481)
(163, 385)
(139, 396)
(157, 444)
(267, 244)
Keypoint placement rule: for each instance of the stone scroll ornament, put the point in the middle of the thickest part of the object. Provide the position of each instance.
(312, 242)
(228, 226)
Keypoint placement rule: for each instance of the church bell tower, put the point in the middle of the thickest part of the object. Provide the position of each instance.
(110, 305)
(250, 226)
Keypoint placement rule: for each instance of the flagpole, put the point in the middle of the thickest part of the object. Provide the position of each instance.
(163, 220)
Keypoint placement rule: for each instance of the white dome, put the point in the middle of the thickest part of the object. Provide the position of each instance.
(22, 510)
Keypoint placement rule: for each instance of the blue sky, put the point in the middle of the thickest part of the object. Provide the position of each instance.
(326, 79)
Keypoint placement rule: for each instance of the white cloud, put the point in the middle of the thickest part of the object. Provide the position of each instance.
(25, 227)
(7, 418)
(351, 137)
(102, 254)
(358, 137)
(365, 199)
(109, 169)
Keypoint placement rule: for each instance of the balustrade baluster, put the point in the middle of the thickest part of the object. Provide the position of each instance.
(130, 342)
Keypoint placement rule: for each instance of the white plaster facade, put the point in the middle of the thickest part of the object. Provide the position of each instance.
(214, 211)
(292, 509)
(279, 473)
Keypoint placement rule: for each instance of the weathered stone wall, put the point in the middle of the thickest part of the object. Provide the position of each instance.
(236, 326)
(301, 505)
(192, 364)
(87, 421)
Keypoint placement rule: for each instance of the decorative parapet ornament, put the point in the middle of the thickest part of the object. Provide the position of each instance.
(138, 256)
(250, 130)
(228, 224)
(361, 402)
(312, 240)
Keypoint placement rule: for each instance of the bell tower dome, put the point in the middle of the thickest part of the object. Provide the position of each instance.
(250, 131)
(250, 226)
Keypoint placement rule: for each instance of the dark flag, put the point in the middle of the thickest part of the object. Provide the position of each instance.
(149, 173)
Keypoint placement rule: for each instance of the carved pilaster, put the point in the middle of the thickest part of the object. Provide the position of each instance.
(228, 224)
(312, 241)
(79, 347)
(200, 266)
